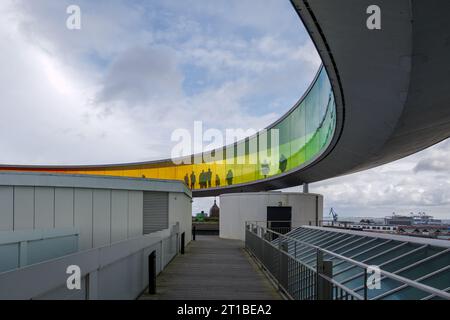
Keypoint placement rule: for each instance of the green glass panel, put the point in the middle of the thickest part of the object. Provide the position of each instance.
(298, 133)
(426, 267)
(376, 250)
(386, 285)
(312, 123)
(363, 247)
(439, 281)
(284, 133)
(410, 259)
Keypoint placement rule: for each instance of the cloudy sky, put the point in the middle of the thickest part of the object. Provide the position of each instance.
(115, 90)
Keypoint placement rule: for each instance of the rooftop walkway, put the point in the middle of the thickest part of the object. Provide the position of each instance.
(213, 268)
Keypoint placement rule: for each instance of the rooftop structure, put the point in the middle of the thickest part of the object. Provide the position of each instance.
(412, 219)
(214, 212)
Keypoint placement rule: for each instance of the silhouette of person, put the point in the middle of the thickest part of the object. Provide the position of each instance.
(209, 177)
(186, 179)
(193, 180)
(283, 163)
(265, 168)
(230, 177)
(202, 179)
(217, 180)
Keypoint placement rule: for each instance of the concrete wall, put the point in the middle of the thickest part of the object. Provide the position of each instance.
(180, 210)
(236, 209)
(118, 271)
(102, 216)
(104, 210)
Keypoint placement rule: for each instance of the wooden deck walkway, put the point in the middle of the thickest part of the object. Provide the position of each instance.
(211, 269)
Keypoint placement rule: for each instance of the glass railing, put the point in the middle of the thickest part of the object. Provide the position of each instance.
(297, 138)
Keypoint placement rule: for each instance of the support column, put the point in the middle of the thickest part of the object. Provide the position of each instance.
(305, 187)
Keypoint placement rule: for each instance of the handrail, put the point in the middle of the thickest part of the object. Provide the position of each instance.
(409, 282)
(307, 266)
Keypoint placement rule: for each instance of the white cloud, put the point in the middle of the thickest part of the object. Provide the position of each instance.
(139, 75)
(48, 115)
(396, 187)
(110, 85)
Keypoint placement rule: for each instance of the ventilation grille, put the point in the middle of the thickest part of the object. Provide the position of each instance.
(156, 211)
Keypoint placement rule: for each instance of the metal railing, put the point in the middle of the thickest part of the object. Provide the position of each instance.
(281, 226)
(278, 255)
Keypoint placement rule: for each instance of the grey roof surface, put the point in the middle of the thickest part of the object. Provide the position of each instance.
(91, 181)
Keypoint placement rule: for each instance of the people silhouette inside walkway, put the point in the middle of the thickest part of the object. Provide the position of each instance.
(217, 180)
(193, 180)
(283, 163)
(265, 168)
(230, 177)
(202, 179)
(186, 179)
(209, 177)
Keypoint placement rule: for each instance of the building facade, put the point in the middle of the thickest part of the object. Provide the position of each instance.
(285, 208)
(103, 210)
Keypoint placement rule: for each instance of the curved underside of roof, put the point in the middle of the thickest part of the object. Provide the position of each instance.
(393, 83)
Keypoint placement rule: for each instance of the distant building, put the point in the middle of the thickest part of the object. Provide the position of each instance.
(426, 230)
(200, 216)
(214, 212)
(418, 219)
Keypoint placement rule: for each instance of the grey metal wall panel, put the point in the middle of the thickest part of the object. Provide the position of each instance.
(180, 210)
(83, 216)
(44, 209)
(64, 204)
(135, 213)
(25, 247)
(119, 215)
(23, 208)
(102, 217)
(156, 211)
(6, 208)
(130, 282)
(46, 249)
(9, 254)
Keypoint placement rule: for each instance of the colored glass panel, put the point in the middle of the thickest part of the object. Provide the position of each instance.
(302, 135)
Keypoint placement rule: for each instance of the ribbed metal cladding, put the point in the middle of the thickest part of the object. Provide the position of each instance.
(156, 211)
